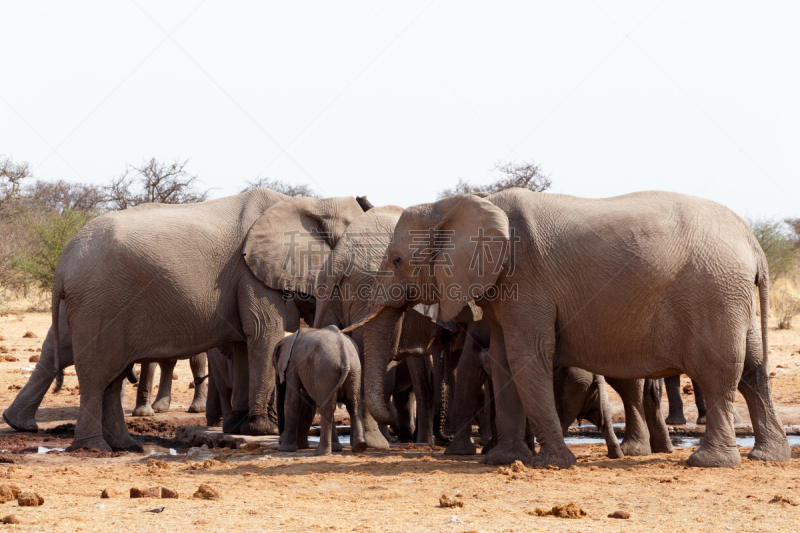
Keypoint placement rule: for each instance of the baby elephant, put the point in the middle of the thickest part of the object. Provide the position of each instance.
(319, 366)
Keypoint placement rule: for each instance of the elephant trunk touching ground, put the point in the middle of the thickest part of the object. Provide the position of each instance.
(381, 339)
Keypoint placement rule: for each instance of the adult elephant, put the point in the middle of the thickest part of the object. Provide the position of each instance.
(345, 297)
(161, 282)
(648, 284)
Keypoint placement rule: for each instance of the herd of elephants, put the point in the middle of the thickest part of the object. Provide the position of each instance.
(511, 310)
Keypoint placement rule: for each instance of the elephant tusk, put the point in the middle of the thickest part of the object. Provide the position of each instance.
(364, 321)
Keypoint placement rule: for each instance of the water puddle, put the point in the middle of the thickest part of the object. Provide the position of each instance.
(154, 449)
(683, 442)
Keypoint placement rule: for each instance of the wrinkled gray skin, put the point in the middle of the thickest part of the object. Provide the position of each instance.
(162, 282)
(350, 272)
(675, 417)
(144, 392)
(220, 387)
(578, 393)
(21, 415)
(671, 280)
(322, 365)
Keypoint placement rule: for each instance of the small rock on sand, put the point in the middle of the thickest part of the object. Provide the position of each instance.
(109, 493)
(29, 499)
(207, 492)
(11, 519)
(152, 492)
(168, 493)
(33, 359)
(30, 335)
(623, 515)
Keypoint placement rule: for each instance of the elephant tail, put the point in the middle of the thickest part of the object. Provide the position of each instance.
(59, 381)
(762, 281)
(58, 295)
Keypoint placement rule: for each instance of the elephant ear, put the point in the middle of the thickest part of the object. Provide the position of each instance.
(282, 354)
(287, 247)
(472, 245)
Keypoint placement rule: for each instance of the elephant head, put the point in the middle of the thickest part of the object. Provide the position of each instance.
(444, 254)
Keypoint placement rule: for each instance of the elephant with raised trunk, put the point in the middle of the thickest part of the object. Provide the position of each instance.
(644, 285)
(161, 282)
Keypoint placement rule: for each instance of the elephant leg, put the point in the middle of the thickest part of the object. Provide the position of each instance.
(509, 410)
(144, 390)
(21, 415)
(239, 392)
(336, 446)
(419, 369)
(326, 426)
(352, 398)
(675, 417)
(164, 397)
(718, 446)
(492, 418)
(657, 427)
(467, 390)
(199, 366)
(293, 406)
(307, 411)
(403, 403)
(606, 425)
(264, 322)
(700, 402)
(482, 418)
(213, 404)
(637, 436)
(115, 431)
(771, 443)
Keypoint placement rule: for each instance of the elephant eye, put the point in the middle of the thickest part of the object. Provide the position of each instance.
(396, 261)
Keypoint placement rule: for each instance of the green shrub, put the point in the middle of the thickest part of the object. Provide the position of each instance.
(49, 233)
(777, 241)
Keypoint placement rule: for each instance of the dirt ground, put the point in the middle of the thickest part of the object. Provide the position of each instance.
(396, 490)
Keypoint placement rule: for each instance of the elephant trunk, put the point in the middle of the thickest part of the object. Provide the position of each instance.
(381, 338)
(442, 374)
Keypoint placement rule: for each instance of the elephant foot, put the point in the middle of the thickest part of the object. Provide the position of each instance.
(233, 424)
(675, 419)
(288, 447)
(375, 440)
(143, 410)
(90, 443)
(442, 442)
(701, 420)
(506, 455)
(302, 442)
(559, 456)
(324, 451)
(661, 447)
(337, 446)
(259, 425)
(615, 452)
(715, 457)
(161, 406)
(461, 447)
(359, 447)
(635, 448)
(197, 406)
(778, 451)
(28, 424)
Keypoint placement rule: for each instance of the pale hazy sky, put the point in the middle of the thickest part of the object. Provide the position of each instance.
(398, 100)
